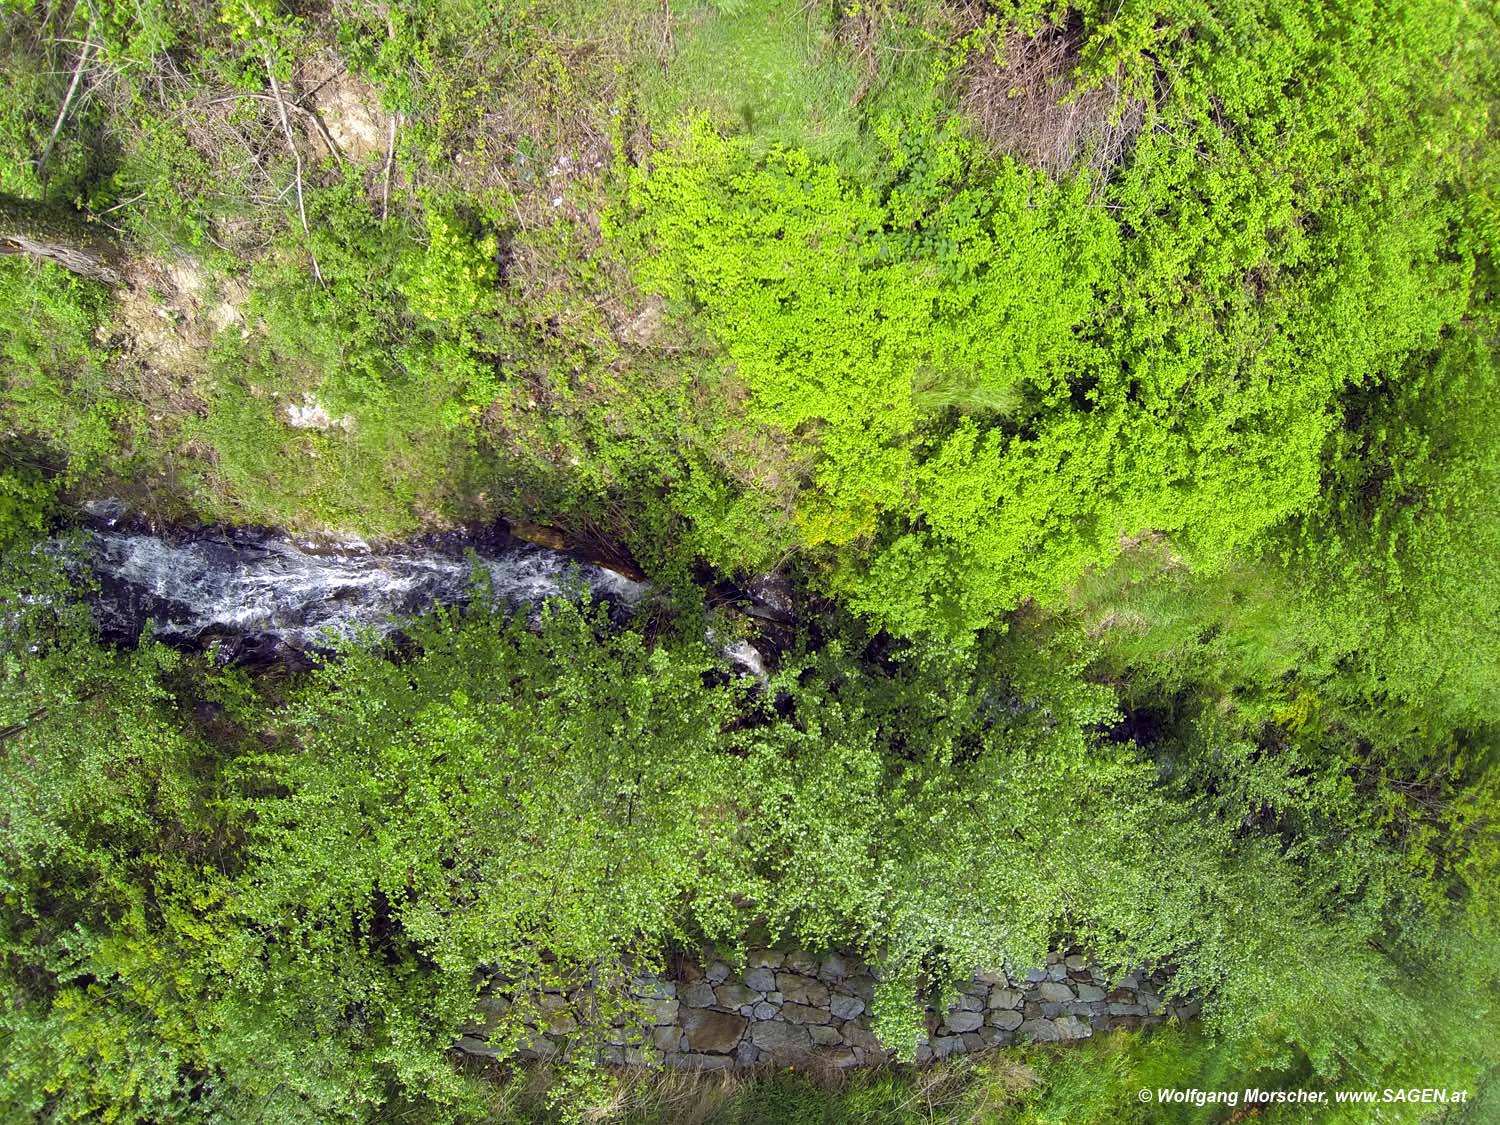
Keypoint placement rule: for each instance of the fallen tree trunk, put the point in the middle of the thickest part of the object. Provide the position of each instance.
(60, 235)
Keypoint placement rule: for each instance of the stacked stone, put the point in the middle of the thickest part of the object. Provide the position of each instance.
(794, 1007)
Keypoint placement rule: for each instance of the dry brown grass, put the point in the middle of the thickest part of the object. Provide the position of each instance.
(1026, 102)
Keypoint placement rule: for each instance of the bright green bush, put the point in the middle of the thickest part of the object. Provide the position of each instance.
(1003, 375)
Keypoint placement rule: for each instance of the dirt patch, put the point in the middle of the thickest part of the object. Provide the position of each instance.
(1026, 101)
(168, 314)
(349, 108)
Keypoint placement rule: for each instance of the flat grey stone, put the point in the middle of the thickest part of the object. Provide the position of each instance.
(1075, 961)
(764, 1011)
(804, 1013)
(834, 969)
(735, 995)
(802, 962)
(661, 1011)
(945, 1045)
(472, 1046)
(697, 994)
(716, 973)
(845, 1007)
(858, 1035)
(800, 989)
(667, 1038)
(1054, 992)
(1006, 1019)
(781, 1040)
(1071, 1027)
(824, 1035)
(653, 988)
(710, 1031)
(761, 979)
(1005, 998)
(1041, 1031)
(1035, 975)
(968, 1003)
(1057, 972)
(768, 958)
(1088, 992)
(843, 1058)
(964, 1021)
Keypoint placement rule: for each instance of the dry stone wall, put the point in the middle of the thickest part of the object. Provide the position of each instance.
(796, 1007)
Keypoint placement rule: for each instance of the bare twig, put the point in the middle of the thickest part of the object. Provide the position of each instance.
(291, 143)
(390, 162)
(322, 129)
(311, 115)
(62, 113)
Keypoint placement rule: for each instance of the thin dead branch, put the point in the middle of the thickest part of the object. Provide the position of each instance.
(390, 162)
(62, 113)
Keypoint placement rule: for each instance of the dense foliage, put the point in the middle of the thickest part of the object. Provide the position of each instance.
(1114, 381)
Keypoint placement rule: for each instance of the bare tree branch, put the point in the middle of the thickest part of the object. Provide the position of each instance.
(62, 113)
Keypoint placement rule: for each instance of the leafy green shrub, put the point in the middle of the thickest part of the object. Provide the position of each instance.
(455, 278)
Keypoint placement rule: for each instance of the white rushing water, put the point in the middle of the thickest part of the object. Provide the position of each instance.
(264, 587)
